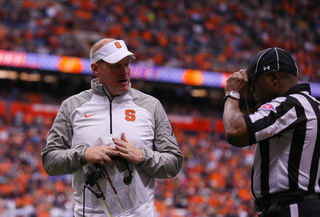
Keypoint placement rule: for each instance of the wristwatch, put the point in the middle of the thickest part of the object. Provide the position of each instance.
(233, 94)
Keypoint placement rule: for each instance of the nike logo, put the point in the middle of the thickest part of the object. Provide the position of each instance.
(86, 116)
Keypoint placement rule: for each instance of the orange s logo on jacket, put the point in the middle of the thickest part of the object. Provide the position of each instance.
(130, 115)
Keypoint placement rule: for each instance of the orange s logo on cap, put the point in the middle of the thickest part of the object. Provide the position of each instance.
(117, 44)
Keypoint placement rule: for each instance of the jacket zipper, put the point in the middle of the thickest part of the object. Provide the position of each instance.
(110, 113)
(110, 110)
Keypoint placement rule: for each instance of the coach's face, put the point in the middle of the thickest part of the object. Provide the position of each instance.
(116, 77)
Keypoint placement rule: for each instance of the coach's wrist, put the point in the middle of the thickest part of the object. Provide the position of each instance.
(82, 157)
(143, 157)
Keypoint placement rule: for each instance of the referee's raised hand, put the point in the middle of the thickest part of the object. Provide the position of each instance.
(238, 81)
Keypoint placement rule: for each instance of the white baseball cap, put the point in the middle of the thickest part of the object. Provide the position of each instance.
(112, 52)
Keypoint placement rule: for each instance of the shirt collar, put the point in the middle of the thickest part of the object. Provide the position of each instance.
(298, 88)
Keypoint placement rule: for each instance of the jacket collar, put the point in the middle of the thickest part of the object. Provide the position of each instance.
(102, 90)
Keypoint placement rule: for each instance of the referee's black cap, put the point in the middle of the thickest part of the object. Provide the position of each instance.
(273, 58)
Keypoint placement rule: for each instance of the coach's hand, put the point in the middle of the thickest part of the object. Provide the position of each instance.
(100, 154)
(127, 150)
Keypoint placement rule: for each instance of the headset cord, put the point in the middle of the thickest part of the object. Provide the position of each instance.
(84, 199)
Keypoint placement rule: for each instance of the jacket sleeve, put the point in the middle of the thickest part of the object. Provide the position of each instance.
(58, 157)
(165, 160)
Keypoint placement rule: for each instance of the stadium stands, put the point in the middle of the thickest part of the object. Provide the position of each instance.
(214, 36)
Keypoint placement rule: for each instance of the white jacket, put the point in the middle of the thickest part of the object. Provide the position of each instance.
(92, 118)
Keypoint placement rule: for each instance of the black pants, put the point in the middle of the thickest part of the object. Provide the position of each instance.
(307, 208)
(289, 204)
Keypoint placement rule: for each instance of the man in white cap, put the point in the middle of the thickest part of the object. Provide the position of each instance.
(111, 119)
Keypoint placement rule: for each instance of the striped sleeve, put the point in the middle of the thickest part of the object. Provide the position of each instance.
(273, 118)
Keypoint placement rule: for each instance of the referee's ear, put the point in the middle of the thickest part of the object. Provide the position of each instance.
(275, 76)
(282, 81)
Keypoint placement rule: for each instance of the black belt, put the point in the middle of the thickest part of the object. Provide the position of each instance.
(274, 202)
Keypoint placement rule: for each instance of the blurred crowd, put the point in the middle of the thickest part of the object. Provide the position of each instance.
(207, 35)
(214, 180)
(25, 189)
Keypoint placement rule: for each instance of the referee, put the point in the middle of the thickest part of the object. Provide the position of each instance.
(283, 121)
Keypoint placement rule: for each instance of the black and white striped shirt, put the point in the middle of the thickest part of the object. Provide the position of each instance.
(287, 133)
